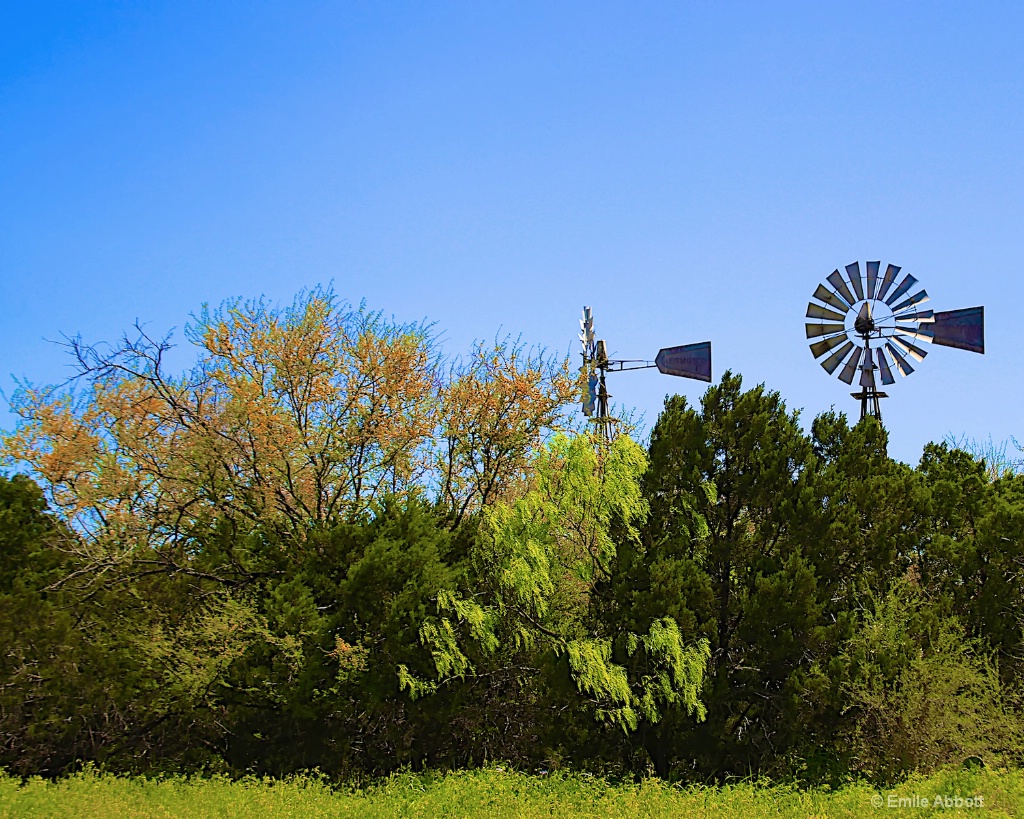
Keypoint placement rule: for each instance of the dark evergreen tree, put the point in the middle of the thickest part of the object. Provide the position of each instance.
(745, 581)
(973, 556)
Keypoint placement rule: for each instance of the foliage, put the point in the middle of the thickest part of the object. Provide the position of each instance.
(324, 640)
(922, 694)
(291, 418)
(325, 547)
(539, 560)
(974, 555)
(730, 557)
(997, 457)
(491, 791)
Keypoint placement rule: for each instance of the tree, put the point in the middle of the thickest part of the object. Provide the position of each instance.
(29, 619)
(974, 554)
(920, 693)
(496, 408)
(538, 563)
(746, 580)
(70, 687)
(863, 520)
(291, 419)
(997, 457)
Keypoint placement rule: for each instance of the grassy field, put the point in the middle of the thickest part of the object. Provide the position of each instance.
(496, 793)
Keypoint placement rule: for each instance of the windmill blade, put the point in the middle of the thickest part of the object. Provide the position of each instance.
(817, 311)
(825, 295)
(908, 282)
(918, 298)
(819, 348)
(851, 366)
(901, 363)
(922, 333)
(867, 370)
(963, 329)
(883, 367)
(833, 361)
(891, 271)
(872, 268)
(815, 330)
(915, 352)
(853, 271)
(924, 316)
(839, 285)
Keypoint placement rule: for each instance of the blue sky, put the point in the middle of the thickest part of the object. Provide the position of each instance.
(692, 170)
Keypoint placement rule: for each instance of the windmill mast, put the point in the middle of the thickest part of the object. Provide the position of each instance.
(864, 325)
(595, 367)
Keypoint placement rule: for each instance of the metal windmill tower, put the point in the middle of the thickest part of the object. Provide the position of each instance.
(687, 361)
(862, 322)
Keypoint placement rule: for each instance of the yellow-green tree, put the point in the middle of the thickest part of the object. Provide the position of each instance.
(539, 560)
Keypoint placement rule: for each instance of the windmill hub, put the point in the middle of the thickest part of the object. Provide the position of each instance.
(864, 324)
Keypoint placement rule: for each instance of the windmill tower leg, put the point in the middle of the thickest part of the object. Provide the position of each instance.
(603, 416)
(869, 402)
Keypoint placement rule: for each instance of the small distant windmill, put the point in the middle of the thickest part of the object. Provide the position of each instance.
(865, 321)
(688, 361)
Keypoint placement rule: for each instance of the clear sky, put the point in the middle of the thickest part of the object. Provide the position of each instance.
(690, 169)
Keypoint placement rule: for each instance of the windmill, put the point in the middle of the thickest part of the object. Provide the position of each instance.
(864, 321)
(687, 361)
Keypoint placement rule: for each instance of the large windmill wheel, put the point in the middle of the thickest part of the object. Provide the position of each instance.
(868, 324)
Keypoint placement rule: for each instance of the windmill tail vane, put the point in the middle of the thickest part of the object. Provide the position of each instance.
(868, 324)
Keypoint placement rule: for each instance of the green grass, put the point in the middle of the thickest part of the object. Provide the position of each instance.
(491, 794)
